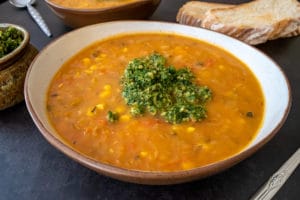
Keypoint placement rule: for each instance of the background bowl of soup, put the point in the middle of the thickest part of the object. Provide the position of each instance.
(86, 12)
(73, 89)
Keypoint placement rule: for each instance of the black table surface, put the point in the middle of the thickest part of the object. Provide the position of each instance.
(30, 168)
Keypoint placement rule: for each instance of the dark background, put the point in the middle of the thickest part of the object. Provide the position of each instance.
(30, 168)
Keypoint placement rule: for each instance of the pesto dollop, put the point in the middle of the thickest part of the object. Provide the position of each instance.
(10, 39)
(148, 85)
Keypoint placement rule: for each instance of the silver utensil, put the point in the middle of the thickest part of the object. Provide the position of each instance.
(276, 181)
(33, 12)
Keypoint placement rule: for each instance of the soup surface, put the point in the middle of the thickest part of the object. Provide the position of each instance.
(88, 86)
(91, 3)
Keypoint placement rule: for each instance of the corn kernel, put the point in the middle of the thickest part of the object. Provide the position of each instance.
(86, 61)
(125, 118)
(191, 129)
(88, 71)
(102, 55)
(179, 50)
(100, 106)
(98, 59)
(125, 49)
(174, 127)
(93, 67)
(164, 47)
(111, 150)
(107, 87)
(105, 93)
(120, 109)
(221, 67)
(187, 165)
(143, 154)
(77, 74)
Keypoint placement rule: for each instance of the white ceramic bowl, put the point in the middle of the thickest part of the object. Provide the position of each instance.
(274, 84)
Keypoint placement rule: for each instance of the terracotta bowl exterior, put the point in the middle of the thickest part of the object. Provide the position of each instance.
(81, 17)
(13, 68)
(274, 84)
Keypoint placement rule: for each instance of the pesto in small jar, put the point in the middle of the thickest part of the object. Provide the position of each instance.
(10, 39)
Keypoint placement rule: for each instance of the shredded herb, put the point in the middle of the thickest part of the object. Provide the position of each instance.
(151, 86)
(112, 116)
(250, 114)
(10, 39)
(94, 109)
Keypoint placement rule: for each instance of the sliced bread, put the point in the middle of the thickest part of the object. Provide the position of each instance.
(254, 22)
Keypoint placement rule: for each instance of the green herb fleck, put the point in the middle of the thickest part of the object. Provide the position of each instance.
(200, 64)
(112, 116)
(94, 109)
(249, 114)
(151, 86)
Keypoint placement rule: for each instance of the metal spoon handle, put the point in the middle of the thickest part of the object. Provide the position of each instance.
(38, 19)
(269, 189)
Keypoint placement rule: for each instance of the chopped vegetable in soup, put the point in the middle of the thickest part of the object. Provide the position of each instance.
(91, 3)
(104, 102)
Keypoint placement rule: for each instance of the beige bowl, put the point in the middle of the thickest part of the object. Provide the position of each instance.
(77, 17)
(49, 61)
(13, 68)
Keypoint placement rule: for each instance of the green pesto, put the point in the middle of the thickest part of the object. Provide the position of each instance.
(148, 85)
(10, 39)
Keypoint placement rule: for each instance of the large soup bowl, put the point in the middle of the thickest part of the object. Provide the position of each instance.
(273, 82)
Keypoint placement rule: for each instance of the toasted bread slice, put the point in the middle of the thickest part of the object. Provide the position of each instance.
(254, 22)
(257, 21)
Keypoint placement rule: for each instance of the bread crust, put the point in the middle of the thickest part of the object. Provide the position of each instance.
(193, 12)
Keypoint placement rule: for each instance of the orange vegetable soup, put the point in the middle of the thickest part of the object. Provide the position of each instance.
(91, 3)
(88, 86)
